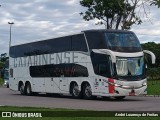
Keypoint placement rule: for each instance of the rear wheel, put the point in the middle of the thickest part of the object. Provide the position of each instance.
(21, 89)
(75, 91)
(28, 89)
(87, 91)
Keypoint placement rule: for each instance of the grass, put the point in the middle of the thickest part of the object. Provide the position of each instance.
(153, 87)
(1, 81)
(53, 111)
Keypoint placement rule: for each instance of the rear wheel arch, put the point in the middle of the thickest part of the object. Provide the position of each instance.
(86, 88)
(75, 90)
(27, 82)
(19, 85)
(21, 88)
(28, 88)
(73, 82)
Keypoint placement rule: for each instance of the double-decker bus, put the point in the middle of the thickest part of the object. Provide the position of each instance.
(107, 63)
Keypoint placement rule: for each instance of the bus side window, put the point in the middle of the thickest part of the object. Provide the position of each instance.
(79, 43)
(95, 40)
(101, 64)
(11, 73)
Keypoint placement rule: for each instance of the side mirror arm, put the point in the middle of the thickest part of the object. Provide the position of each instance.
(153, 57)
(113, 56)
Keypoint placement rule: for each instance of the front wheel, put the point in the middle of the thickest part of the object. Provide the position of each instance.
(87, 91)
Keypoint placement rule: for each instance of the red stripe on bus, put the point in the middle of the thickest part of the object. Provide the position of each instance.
(111, 87)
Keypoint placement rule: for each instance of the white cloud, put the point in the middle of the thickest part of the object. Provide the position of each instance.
(71, 2)
(42, 19)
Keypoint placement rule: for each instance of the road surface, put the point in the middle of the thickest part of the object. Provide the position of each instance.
(12, 98)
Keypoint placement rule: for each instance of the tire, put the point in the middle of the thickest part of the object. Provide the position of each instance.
(28, 89)
(119, 97)
(22, 89)
(87, 91)
(76, 93)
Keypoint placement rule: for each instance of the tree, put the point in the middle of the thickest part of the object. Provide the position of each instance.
(115, 14)
(155, 2)
(153, 71)
(112, 13)
(3, 57)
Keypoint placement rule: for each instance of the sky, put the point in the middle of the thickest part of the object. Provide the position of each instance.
(36, 20)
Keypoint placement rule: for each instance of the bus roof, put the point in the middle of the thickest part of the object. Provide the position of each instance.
(91, 30)
(107, 30)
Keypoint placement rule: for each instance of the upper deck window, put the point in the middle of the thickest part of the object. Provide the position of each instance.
(122, 42)
(95, 40)
(119, 41)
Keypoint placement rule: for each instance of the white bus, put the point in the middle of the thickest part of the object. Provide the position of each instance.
(107, 63)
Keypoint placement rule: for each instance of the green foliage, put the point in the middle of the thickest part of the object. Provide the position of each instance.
(3, 57)
(112, 13)
(153, 73)
(1, 81)
(23, 109)
(153, 87)
(1, 65)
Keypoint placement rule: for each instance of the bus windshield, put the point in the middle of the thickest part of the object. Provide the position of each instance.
(122, 42)
(130, 68)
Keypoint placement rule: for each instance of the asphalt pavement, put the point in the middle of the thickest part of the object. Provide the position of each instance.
(14, 98)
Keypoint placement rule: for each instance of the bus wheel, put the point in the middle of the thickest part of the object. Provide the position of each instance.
(21, 89)
(119, 97)
(28, 89)
(76, 93)
(87, 91)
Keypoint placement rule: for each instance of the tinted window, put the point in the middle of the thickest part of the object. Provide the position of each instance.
(11, 73)
(131, 69)
(102, 64)
(79, 43)
(66, 70)
(42, 47)
(6, 74)
(122, 42)
(60, 44)
(95, 40)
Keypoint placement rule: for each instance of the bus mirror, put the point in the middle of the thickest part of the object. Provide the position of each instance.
(153, 57)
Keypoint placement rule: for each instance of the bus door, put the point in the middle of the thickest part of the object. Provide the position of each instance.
(49, 85)
(63, 83)
(13, 82)
(39, 84)
(52, 85)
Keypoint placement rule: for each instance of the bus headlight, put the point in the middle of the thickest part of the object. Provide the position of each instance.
(116, 85)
